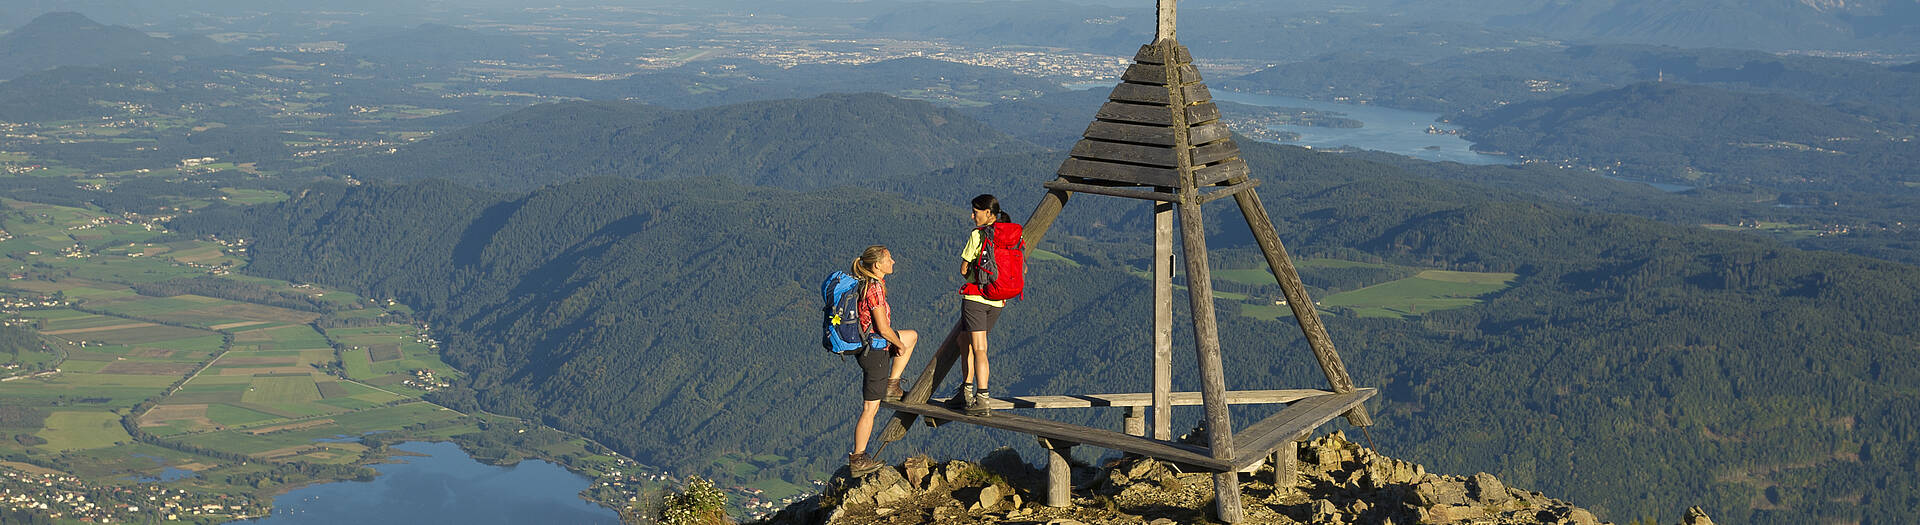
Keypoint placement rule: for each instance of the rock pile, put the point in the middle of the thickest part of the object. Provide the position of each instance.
(1338, 482)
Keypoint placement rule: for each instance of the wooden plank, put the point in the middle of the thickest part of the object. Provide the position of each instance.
(1135, 113)
(1198, 93)
(1228, 191)
(1125, 132)
(1162, 395)
(1188, 74)
(1208, 132)
(1111, 192)
(1135, 423)
(1167, 450)
(1294, 422)
(1141, 93)
(1202, 113)
(1152, 74)
(1222, 172)
(1123, 152)
(1145, 399)
(1117, 172)
(1303, 312)
(1215, 152)
(1149, 54)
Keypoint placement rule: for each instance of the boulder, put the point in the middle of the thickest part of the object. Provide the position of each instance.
(1696, 516)
(1488, 489)
(1440, 491)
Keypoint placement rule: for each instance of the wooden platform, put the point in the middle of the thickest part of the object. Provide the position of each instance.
(1141, 399)
(1309, 410)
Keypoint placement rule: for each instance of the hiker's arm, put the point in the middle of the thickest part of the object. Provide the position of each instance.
(883, 325)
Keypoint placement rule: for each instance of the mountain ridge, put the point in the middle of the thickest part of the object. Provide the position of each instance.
(71, 39)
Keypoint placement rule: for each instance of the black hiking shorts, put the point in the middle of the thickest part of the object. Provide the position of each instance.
(875, 364)
(976, 316)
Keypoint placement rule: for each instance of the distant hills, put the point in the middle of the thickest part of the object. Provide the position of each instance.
(439, 43)
(1807, 24)
(809, 143)
(1704, 136)
(1633, 364)
(70, 39)
(730, 82)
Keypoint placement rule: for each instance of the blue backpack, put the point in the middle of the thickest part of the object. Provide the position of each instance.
(841, 333)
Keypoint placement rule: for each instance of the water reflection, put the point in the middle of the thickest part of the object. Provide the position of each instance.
(444, 485)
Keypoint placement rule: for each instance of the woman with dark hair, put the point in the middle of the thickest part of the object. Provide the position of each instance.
(882, 363)
(977, 312)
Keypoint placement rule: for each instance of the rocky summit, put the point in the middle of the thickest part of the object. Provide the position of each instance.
(1338, 482)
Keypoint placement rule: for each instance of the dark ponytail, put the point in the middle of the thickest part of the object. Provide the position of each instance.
(986, 201)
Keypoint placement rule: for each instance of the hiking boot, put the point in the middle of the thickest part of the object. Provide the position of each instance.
(977, 405)
(858, 464)
(962, 398)
(894, 393)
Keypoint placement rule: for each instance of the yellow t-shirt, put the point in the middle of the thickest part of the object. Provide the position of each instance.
(971, 252)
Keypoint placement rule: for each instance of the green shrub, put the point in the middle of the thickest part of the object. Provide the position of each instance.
(700, 504)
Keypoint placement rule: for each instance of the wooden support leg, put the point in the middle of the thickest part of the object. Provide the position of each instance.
(1303, 309)
(1162, 320)
(1136, 421)
(1059, 472)
(1043, 215)
(1213, 382)
(1286, 467)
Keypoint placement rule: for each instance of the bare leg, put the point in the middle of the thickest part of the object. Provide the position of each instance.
(907, 340)
(864, 428)
(977, 360)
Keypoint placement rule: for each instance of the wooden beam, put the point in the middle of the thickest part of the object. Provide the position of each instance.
(1167, 450)
(1042, 217)
(1135, 423)
(1162, 395)
(1206, 334)
(1303, 311)
(1166, 21)
(1293, 423)
(1146, 399)
(923, 384)
(1109, 191)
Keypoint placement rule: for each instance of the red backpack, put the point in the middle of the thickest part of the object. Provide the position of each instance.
(1000, 271)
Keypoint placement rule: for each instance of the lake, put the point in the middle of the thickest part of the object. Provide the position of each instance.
(1391, 130)
(444, 485)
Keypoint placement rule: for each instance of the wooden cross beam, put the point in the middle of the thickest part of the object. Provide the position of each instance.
(1166, 19)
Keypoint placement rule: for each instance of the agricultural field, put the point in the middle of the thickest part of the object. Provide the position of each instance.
(1425, 291)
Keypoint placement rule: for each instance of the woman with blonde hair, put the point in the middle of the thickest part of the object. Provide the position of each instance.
(886, 357)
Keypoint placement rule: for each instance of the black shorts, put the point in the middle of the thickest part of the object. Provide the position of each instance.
(875, 364)
(976, 316)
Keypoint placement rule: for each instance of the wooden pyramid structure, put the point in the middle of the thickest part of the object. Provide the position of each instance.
(1159, 138)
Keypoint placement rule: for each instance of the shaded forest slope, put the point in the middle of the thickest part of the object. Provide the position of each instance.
(1633, 362)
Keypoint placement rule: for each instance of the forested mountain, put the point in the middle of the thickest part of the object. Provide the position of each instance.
(730, 82)
(1884, 24)
(1632, 366)
(811, 143)
(70, 39)
(1706, 136)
